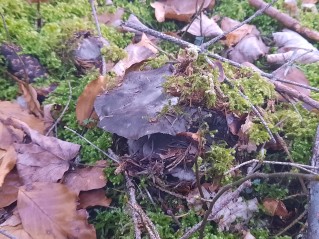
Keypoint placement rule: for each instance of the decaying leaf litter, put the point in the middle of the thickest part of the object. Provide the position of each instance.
(190, 123)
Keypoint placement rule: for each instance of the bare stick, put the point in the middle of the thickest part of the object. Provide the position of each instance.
(135, 216)
(306, 168)
(256, 14)
(286, 20)
(313, 208)
(93, 145)
(150, 227)
(294, 222)
(99, 33)
(63, 112)
(5, 27)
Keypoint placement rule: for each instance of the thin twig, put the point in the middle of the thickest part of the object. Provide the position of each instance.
(306, 168)
(256, 14)
(150, 227)
(93, 145)
(199, 186)
(5, 27)
(198, 11)
(294, 222)
(135, 216)
(63, 112)
(99, 33)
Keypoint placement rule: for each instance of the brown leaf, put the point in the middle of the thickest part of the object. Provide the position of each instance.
(236, 36)
(95, 197)
(295, 75)
(7, 163)
(203, 26)
(9, 109)
(249, 49)
(35, 164)
(177, 10)
(85, 103)
(85, 179)
(275, 207)
(9, 189)
(15, 231)
(111, 19)
(53, 210)
(234, 123)
(292, 45)
(136, 53)
(30, 96)
(45, 158)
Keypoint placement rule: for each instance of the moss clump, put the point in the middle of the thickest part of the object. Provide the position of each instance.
(255, 87)
(113, 53)
(299, 128)
(156, 62)
(220, 158)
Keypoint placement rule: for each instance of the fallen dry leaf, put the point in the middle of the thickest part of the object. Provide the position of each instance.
(15, 231)
(174, 9)
(295, 75)
(111, 19)
(203, 26)
(7, 163)
(53, 210)
(85, 179)
(9, 189)
(95, 197)
(14, 110)
(236, 36)
(30, 96)
(275, 207)
(85, 103)
(35, 164)
(292, 46)
(44, 158)
(249, 49)
(136, 53)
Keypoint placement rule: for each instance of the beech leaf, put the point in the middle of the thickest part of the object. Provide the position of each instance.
(85, 179)
(85, 103)
(177, 10)
(9, 189)
(53, 210)
(203, 26)
(94, 197)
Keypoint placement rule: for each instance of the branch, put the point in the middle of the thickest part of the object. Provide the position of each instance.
(286, 20)
(135, 216)
(313, 223)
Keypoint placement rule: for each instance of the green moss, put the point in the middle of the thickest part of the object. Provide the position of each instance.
(9, 89)
(113, 53)
(220, 158)
(156, 62)
(299, 130)
(240, 10)
(255, 87)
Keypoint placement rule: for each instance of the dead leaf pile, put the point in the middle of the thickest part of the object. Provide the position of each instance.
(37, 188)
